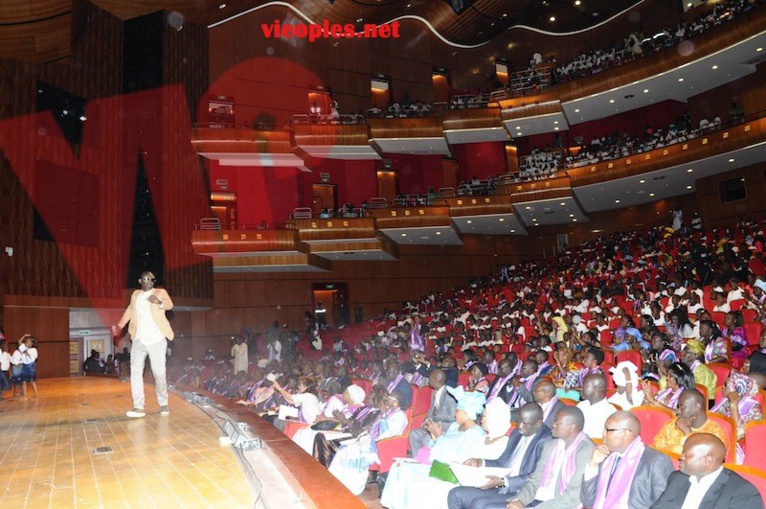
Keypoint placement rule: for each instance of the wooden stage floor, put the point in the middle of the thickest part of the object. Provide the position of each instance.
(49, 453)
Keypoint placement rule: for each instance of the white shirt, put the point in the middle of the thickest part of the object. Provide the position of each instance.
(698, 489)
(146, 328)
(309, 405)
(29, 356)
(518, 456)
(5, 361)
(595, 416)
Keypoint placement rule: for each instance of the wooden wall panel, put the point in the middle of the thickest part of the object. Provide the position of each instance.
(749, 93)
(715, 211)
(51, 328)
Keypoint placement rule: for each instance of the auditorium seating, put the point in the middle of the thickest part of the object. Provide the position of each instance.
(652, 418)
(731, 432)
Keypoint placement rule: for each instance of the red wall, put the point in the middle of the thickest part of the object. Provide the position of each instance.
(480, 159)
(355, 180)
(417, 173)
(268, 194)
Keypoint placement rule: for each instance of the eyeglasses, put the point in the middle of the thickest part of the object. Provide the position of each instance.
(609, 430)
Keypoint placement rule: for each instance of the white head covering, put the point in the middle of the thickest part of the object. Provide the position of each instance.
(498, 416)
(619, 377)
(357, 394)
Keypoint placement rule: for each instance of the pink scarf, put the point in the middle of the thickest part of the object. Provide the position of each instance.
(614, 495)
(568, 468)
(551, 404)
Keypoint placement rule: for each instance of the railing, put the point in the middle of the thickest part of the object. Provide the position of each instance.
(213, 224)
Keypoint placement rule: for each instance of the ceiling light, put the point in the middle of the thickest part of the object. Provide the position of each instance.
(646, 90)
(563, 203)
(690, 170)
(404, 234)
(528, 208)
(552, 19)
(83, 118)
(642, 181)
(501, 219)
(651, 194)
(534, 219)
(438, 233)
(577, 2)
(505, 14)
(468, 222)
(518, 127)
(513, 231)
(731, 160)
(617, 201)
(759, 50)
(359, 20)
(574, 220)
(715, 67)
(555, 128)
(688, 187)
(611, 101)
(577, 110)
(680, 80)
(555, 122)
(222, 6)
(571, 215)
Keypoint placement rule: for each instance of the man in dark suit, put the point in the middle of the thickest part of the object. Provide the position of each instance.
(525, 446)
(703, 483)
(623, 472)
(441, 412)
(502, 386)
(544, 394)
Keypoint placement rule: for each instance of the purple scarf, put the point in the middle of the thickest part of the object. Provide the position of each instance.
(551, 404)
(499, 383)
(615, 494)
(392, 386)
(568, 467)
(672, 402)
(416, 340)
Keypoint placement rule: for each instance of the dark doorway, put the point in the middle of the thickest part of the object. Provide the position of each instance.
(334, 298)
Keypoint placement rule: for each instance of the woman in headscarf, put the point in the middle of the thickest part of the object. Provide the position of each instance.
(739, 403)
(409, 484)
(625, 377)
(353, 459)
(339, 405)
(327, 443)
(678, 378)
(559, 328)
(660, 356)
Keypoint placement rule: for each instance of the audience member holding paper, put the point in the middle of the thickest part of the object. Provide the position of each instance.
(489, 490)
(411, 484)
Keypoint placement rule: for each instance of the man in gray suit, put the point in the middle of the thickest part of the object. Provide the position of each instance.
(441, 412)
(525, 446)
(544, 394)
(556, 482)
(703, 483)
(623, 472)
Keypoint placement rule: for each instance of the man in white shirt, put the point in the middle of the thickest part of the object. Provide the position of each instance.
(594, 406)
(703, 483)
(150, 330)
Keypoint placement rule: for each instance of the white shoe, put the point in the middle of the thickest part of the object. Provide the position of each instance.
(136, 413)
(164, 410)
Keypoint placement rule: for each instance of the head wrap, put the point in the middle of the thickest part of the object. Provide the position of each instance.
(472, 403)
(695, 347)
(356, 393)
(619, 377)
(760, 284)
(497, 417)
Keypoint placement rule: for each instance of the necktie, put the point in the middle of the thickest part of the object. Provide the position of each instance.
(611, 474)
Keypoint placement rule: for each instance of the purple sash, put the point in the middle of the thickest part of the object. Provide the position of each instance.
(568, 467)
(672, 402)
(614, 487)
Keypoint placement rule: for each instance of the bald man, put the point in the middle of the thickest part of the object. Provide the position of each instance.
(703, 483)
(622, 471)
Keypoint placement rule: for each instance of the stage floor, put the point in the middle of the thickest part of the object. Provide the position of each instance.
(49, 452)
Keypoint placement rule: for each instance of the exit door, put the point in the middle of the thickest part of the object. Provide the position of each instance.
(324, 197)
